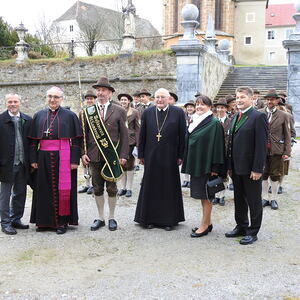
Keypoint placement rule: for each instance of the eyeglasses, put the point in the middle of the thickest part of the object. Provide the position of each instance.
(53, 96)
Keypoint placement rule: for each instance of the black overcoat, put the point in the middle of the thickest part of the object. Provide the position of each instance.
(7, 145)
(160, 198)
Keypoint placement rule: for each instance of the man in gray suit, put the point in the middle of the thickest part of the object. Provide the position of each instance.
(14, 164)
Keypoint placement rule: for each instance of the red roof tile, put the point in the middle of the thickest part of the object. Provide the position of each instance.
(280, 15)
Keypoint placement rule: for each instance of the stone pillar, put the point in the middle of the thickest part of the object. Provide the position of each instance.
(21, 47)
(210, 36)
(293, 47)
(223, 51)
(189, 52)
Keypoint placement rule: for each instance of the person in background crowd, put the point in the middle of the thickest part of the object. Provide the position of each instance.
(133, 126)
(221, 114)
(231, 101)
(89, 100)
(173, 98)
(189, 111)
(145, 99)
(257, 102)
(14, 164)
(279, 147)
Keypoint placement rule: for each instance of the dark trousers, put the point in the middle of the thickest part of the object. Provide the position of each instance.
(98, 181)
(247, 195)
(16, 191)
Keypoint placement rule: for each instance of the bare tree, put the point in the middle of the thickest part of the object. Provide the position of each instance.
(90, 32)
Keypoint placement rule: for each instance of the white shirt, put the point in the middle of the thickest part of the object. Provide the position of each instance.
(270, 113)
(222, 119)
(198, 119)
(105, 107)
(12, 115)
(245, 110)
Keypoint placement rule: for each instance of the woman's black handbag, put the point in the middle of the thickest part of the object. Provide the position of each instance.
(214, 186)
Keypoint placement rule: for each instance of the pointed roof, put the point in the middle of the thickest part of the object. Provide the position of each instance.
(82, 12)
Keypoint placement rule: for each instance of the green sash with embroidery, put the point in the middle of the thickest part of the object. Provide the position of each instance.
(112, 170)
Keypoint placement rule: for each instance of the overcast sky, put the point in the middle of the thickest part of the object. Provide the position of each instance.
(30, 12)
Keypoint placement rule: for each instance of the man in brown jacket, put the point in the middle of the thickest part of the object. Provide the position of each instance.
(113, 118)
(279, 147)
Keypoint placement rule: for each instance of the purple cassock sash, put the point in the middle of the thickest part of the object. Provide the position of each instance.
(64, 178)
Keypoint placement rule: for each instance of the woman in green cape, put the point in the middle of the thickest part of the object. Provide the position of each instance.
(204, 157)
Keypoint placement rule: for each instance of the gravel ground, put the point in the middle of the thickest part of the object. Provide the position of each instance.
(134, 263)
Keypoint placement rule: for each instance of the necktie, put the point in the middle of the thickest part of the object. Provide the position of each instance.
(240, 116)
(102, 111)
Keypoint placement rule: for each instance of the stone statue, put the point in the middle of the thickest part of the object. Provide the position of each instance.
(129, 21)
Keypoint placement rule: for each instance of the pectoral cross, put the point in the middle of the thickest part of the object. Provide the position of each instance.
(47, 132)
(158, 136)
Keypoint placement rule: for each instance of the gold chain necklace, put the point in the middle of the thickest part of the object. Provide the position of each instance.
(159, 136)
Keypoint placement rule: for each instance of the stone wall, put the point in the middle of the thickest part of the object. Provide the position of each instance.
(32, 79)
(214, 73)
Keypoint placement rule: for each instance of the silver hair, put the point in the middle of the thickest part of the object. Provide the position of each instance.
(162, 90)
(55, 88)
(12, 95)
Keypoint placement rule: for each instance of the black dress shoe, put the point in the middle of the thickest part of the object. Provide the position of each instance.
(19, 225)
(203, 233)
(128, 193)
(230, 187)
(42, 229)
(188, 185)
(248, 239)
(265, 202)
(215, 201)
(210, 228)
(280, 190)
(97, 224)
(235, 232)
(61, 230)
(112, 225)
(90, 190)
(149, 226)
(83, 189)
(168, 228)
(122, 192)
(9, 230)
(222, 201)
(274, 204)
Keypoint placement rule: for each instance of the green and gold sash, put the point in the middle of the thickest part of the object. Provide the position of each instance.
(112, 170)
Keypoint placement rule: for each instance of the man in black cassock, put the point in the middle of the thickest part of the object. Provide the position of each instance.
(161, 148)
(54, 154)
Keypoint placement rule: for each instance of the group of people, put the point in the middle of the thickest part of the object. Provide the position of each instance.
(209, 141)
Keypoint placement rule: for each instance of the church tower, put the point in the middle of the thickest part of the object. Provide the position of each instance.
(222, 12)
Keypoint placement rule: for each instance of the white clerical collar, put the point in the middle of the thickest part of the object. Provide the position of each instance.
(12, 115)
(164, 109)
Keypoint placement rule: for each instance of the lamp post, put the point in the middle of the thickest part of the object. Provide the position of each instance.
(21, 47)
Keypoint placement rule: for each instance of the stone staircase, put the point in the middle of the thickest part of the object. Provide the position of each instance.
(260, 78)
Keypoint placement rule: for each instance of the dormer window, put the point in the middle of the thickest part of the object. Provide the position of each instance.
(71, 28)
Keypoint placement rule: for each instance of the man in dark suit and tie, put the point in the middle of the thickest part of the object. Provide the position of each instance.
(14, 164)
(247, 148)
